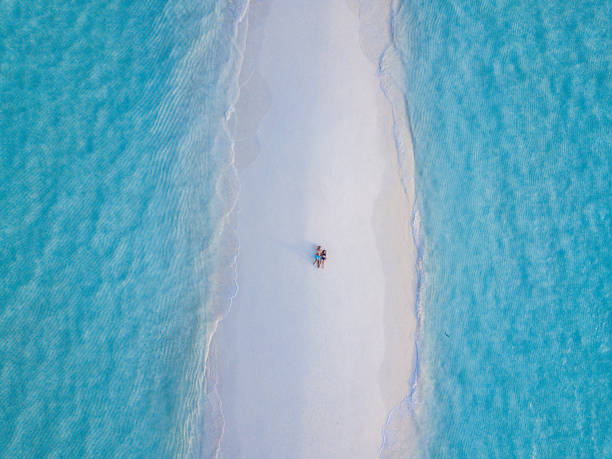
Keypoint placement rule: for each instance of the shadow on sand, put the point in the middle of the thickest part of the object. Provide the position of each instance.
(305, 250)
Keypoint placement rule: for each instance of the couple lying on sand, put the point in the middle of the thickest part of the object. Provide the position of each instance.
(320, 257)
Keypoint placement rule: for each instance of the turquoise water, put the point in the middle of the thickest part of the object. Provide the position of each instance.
(116, 252)
(115, 183)
(510, 104)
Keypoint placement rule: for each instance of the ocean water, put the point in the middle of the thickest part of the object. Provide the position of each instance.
(510, 105)
(116, 249)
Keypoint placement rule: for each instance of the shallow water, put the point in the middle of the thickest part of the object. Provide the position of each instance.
(510, 105)
(115, 183)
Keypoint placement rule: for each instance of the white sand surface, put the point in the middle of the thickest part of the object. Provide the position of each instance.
(310, 362)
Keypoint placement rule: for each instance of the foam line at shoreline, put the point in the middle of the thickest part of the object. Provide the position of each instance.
(392, 84)
(227, 229)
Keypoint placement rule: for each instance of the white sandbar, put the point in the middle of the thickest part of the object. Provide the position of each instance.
(310, 362)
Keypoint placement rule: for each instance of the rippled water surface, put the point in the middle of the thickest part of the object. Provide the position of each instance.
(510, 108)
(115, 179)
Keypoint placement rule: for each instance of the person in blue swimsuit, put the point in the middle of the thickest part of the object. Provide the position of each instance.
(317, 260)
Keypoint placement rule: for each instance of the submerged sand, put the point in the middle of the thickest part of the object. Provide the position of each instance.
(311, 362)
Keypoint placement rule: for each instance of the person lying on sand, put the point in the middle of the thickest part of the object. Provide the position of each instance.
(323, 258)
(317, 260)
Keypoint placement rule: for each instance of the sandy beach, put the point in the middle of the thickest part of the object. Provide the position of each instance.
(311, 361)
